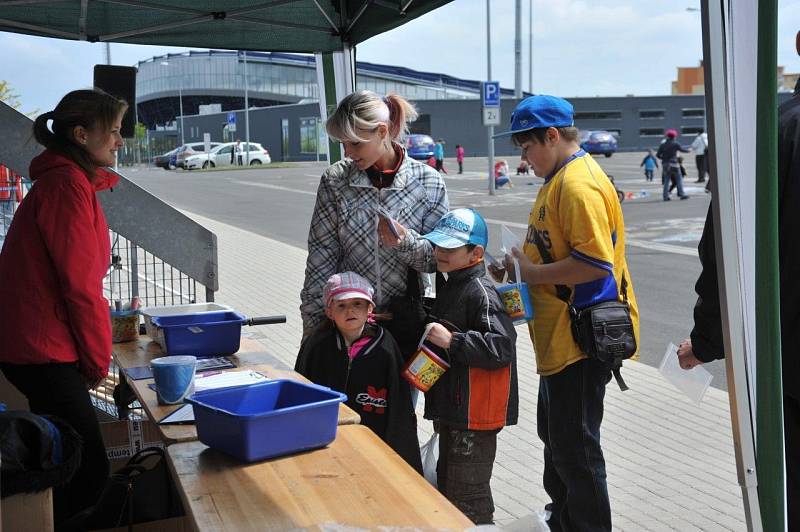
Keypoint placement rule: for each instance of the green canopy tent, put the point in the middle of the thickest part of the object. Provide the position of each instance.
(740, 92)
(276, 25)
(329, 28)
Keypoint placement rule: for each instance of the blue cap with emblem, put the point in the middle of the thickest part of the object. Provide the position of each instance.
(458, 228)
(540, 111)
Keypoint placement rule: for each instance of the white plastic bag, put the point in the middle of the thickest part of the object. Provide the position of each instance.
(430, 455)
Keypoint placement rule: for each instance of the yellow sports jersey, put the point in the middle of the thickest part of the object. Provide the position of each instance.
(576, 213)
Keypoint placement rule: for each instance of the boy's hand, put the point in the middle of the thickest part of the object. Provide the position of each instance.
(526, 267)
(439, 335)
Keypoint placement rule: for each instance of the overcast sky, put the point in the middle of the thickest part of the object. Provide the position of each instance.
(580, 48)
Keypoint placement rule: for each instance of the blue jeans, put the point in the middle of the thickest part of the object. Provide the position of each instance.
(669, 173)
(569, 415)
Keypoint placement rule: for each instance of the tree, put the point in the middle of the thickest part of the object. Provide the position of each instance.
(10, 98)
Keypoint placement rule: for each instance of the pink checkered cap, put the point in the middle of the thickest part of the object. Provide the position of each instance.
(347, 285)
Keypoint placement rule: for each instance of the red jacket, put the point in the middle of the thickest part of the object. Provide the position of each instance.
(52, 265)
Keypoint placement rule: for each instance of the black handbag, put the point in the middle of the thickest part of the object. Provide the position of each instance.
(139, 492)
(603, 331)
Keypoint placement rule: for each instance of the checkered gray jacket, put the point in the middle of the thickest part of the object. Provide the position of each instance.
(344, 231)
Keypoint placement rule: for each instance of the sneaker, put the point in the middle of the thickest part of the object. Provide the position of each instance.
(684, 197)
(666, 199)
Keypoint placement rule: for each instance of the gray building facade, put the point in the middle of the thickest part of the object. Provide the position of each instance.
(639, 122)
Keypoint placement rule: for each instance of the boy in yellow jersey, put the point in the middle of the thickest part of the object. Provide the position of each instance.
(577, 219)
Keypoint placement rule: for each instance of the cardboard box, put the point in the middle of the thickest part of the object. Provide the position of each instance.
(123, 439)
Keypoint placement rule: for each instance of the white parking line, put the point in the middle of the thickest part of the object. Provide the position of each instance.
(276, 187)
(635, 242)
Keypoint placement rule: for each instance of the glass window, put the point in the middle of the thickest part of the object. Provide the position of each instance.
(693, 113)
(651, 113)
(651, 132)
(691, 130)
(284, 138)
(308, 135)
(598, 115)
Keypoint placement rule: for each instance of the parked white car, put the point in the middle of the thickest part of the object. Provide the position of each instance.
(192, 148)
(223, 155)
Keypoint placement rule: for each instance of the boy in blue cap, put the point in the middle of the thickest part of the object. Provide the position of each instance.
(574, 250)
(477, 395)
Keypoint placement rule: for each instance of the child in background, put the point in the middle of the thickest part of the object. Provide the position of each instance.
(682, 170)
(650, 164)
(360, 358)
(460, 158)
(501, 174)
(477, 396)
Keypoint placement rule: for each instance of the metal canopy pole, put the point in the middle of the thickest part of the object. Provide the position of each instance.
(715, 61)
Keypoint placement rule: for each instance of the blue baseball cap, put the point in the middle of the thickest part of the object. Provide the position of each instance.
(540, 111)
(458, 228)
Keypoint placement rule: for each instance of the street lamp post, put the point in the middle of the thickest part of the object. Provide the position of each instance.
(489, 78)
(246, 115)
(180, 104)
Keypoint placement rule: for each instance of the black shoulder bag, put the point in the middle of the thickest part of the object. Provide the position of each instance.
(603, 331)
(139, 492)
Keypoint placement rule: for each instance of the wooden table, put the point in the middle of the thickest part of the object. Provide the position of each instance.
(356, 481)
(251, 355)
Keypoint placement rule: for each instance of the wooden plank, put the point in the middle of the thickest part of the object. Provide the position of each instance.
(251, 356)
(28, 511)
(356, 481)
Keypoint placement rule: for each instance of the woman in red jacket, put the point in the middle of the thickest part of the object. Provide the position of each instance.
(54, 320)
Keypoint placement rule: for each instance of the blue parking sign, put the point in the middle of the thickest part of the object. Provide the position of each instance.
(232, 118)
(490, 90)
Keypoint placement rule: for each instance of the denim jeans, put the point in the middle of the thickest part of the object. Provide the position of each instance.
(676, 172)
(569, 415)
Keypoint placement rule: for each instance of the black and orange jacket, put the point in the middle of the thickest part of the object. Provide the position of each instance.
(479, 391)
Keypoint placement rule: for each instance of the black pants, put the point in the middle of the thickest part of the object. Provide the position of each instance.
(59, 390)
(791, 427)
(439, 164)
(466, 458)
(700, 162)
(460, 167)
(569, 415)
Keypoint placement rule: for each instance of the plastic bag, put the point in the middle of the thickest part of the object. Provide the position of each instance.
(430, 456)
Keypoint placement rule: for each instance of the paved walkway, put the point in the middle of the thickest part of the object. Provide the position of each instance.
(670, 461)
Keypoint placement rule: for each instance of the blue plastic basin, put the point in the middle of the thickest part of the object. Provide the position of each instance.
(268, 419)
(202, 334)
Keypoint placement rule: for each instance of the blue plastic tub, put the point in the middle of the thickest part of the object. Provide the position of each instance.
(202, 334)
(266, 420)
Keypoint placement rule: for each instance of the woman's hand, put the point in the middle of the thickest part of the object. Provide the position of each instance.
(439, 335)
(387, 236)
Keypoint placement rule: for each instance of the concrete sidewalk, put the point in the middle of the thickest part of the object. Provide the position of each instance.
(670, 461)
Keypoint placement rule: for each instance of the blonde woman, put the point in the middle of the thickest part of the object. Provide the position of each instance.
(371, 209)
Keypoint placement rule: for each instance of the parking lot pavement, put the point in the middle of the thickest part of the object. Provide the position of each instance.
(670, 461)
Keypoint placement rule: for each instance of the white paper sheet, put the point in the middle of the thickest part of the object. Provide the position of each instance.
(228, 379)
(693, 382)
